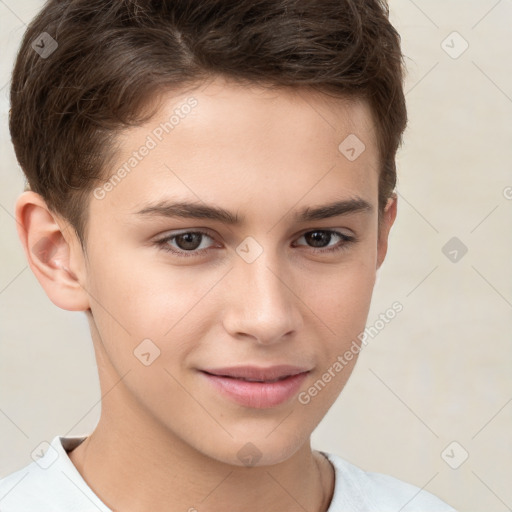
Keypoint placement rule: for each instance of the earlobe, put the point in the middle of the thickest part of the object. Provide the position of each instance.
(48, 250)
(388, 218)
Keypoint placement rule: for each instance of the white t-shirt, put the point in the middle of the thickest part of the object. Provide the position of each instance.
(53, 484)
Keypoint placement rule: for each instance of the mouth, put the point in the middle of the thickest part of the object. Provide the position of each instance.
(257, 387)
(267, 381)
(257, 374)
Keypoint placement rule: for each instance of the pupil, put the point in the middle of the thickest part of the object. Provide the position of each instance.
(319, 236)
(189, 242)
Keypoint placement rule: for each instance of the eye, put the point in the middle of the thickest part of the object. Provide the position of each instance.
(319, 237)
(188, 243)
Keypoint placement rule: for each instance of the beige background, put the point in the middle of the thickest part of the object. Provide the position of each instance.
(440, 371)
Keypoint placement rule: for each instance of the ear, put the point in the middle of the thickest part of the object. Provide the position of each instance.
(53, 252)
(388, 218)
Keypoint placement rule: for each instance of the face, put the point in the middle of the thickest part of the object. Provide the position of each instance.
(212, 260)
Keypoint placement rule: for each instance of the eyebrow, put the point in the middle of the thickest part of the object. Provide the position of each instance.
(192, 210)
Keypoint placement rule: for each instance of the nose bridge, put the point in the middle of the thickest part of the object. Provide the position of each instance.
(262, 305)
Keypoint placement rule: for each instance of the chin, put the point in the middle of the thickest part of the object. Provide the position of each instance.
(257, 449)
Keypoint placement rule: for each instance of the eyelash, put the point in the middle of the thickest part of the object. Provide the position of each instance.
(164, 245)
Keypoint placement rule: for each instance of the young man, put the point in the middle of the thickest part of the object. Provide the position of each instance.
(212, 184)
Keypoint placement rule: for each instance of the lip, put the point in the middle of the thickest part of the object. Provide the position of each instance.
(263, 390)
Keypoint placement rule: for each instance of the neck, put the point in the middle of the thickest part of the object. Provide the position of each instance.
(134, 466)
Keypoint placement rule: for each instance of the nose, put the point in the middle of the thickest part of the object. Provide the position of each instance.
(261, 303)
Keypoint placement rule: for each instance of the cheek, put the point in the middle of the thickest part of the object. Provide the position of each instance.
(343, 306)
(342, 298)
(144, 298)
(136, 303)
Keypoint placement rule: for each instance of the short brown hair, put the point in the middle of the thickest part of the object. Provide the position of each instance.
(114, 56)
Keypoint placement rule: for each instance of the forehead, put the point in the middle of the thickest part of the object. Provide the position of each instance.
(239, 145)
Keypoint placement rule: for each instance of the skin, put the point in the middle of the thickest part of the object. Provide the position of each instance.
(166, 440)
